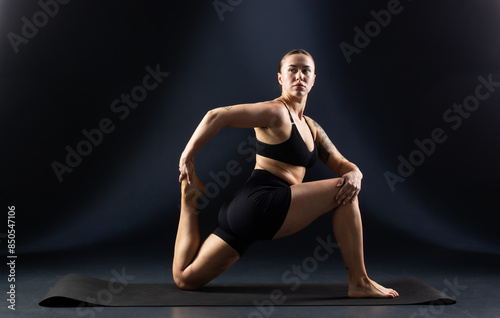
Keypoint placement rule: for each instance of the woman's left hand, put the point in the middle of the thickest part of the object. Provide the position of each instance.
(350, 186)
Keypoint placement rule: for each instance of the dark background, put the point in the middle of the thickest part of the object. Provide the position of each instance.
(125, 191)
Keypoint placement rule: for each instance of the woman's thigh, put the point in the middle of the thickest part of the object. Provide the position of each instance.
(309, 201)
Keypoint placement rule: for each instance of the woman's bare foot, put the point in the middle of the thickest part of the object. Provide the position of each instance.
(367, 288)
(191, 192)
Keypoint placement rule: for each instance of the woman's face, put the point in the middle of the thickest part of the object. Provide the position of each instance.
(297, 75)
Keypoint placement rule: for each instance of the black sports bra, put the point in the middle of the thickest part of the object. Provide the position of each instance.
(293, 151)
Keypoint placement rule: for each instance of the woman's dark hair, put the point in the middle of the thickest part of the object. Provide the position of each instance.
(292, 52)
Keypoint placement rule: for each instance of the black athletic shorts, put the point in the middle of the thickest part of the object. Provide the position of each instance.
(256, 212)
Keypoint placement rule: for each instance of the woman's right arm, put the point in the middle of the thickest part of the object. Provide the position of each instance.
(265, 114)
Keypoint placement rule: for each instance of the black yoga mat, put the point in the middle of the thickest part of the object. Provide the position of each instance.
(78, 290)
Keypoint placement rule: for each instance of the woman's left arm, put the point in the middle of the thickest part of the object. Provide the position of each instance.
(350, 175)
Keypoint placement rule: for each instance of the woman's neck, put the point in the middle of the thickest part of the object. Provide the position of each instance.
(295, 104)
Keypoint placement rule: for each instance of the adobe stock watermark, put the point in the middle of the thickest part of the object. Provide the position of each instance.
(436, 308)
(294, 277)
(118, 282)
(363, 37)
(122, 108)
(222, 179)
(11, 257)
(223, 6)
(30, 27)
(454, 116)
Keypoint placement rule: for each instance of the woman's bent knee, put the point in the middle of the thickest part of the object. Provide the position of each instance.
(184, 284)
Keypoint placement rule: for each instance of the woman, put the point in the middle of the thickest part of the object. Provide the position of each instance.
(274, 202)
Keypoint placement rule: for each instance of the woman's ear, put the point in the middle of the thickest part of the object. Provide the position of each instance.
(279, 79)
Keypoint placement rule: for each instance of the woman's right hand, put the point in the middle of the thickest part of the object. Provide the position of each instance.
(186, 169)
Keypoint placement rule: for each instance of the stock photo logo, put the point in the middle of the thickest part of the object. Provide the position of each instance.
(116, 285)
(31, 27)
(373, 28)
(294, 277)
(223, 6)
(453, 116)
(94, 137)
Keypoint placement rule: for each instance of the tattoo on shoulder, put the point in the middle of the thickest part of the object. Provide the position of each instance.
(316, 124)
(227, 107)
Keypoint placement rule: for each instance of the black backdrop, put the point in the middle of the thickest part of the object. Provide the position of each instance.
(97, 100)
